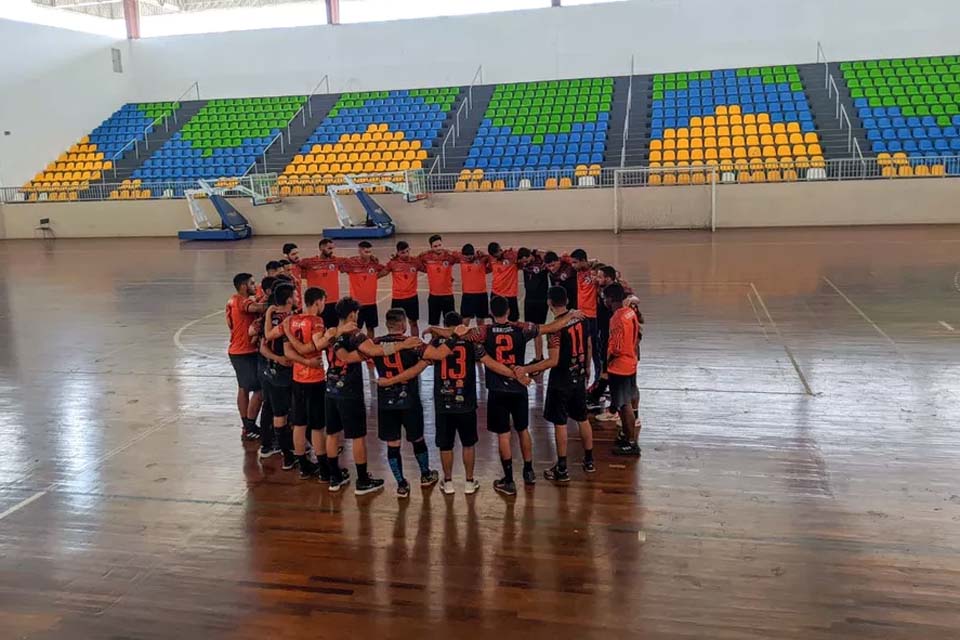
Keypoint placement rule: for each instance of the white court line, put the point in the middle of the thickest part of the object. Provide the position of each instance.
(861, 313)
(773, 323)
(23, 503)
(947, 326)
(757, 315)
(179, 332)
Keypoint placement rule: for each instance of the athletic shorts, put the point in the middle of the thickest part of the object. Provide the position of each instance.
(514, 307)
(535, 311)
(279, 398)
(474, 305)
(245, 366)
(451, 425)
(501, 407)
(390, 422)
(623, 390)
(308, 404)
(437, 307)
(410, 306)
(368, 317)
(562, 405)
(347, 415)
(329, 315)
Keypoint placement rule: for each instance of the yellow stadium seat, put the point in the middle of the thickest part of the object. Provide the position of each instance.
(783, 151)
(670, 179)
(736, 120)
(414, 144)
(594, 170)
(404, 165)
(683, 143)
(810, 138)
(499, 185)
(737, 130)
(779, 127)
(683, 155)
(814, 150)
(905, 171)
(565, 183)
(696, 121)
(696, 155)
(551, 183)
(697, 178)
(774, 175)
(769, 151)
(899, 158)
(308, 190)
(781, 138)
(655, 179)
(670, 145)
(113, 194)
(938, 170)
(921, 171)
(793, 127)
(884, 159)
(460, 186)
(669, 133)
(683, 178)
(723, 121)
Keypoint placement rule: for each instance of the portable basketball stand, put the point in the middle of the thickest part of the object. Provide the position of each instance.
(378, 223)
(232, 225)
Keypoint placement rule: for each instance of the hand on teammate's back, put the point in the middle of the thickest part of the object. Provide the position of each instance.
(412, 342)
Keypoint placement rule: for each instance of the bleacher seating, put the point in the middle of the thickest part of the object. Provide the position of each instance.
(222, 140)
(910, 109)
(87, 160)
(554, 131)
(369, 132)
(753, 124)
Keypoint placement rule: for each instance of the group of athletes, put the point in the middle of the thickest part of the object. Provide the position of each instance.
(298, 350)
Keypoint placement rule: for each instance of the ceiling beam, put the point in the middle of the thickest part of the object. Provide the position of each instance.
(333, 11)
(131, 15)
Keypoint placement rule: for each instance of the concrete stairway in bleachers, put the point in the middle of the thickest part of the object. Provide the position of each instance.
(618, 110)
(134, 156)
(834, 139)
(638, 133)
(279, 155)
(456, 155)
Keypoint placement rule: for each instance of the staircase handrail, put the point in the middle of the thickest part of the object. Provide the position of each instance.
(305, 108)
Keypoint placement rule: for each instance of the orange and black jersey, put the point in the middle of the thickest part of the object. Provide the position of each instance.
(571, 369)
(535, 279)
(566, 277)
(276, 345)
(305, 328)
(345, 380)
(623, 349)
(455, 377)
(398, 396)
(507, 343)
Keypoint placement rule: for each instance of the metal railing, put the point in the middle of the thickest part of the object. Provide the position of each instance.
(125, 191)
(477, 76)
(305, 111)
(135, 141)
(822, 57)
(463, 111)
(626, 117)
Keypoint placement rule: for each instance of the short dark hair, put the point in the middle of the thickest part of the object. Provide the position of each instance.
(363, 244)
(550, 257)
(493, 248)
(273, 265)
(284, 278)
(452, 319)
(345, 307)
(284, 262)
(395, 316)
(578, 254)
(609, 272)
(267, 283)
(614, 292)
(557, 296)
(499, 307)
(281, 293)
(325, 241)
(241, 279)
(403, 245)
(523, 252)
(288, 247)
(312, 295)
(468, 250)
(434, 238)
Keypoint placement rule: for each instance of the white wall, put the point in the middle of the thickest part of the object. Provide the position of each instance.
(55, 86)
(664, 35)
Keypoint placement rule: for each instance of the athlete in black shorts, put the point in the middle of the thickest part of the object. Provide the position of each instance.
(398, 402)
(569, 363)
(455, 395)
(344, 407)
(535, 284)
(278, 371)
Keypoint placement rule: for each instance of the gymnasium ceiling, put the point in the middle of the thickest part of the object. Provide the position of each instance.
(114, 8)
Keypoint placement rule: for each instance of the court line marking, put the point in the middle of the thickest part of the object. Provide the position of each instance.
(783, 343)
(23, 503)
(947, 326)
(863, 315)
(179, 344)
(956, 281)
(756, 314)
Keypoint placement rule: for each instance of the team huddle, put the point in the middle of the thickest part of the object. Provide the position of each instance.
(299, 348)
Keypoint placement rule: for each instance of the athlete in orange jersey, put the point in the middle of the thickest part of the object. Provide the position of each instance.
(242, 312)
(587, 297)
(503, 265)
(438, 263)
(623, 351)
(473, 274)
(323, 272)
(292, 255)
(272, 269)
(363, 270)
(307, 339)
(405, 269)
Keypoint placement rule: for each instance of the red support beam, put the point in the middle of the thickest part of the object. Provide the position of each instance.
(554, 3)
(333, 11)
(131, 15)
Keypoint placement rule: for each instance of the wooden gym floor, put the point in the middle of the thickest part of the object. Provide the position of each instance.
(801, 402)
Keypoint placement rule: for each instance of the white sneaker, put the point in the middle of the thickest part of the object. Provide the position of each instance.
(471, 487)
(606, 416)
(447, 487)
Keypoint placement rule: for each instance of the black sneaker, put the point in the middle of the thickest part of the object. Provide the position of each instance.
(529, 476)
(429, 479)
(403, 489)
(588, 466)
(336, 486)
(251, 432)
(324, 476)
(556, 474)
(268, 450)
(309, 469)
(505, 486)
(631, 449)
(368, 485)
(289, 460)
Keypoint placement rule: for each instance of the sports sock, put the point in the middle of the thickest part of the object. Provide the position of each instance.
(361, 471)
(528, 465)
(588, 455)
(423, 457)
(561, 462)
(336, 477)
(322, 465)
(507, 468)
(396, 463)
(285, 438)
